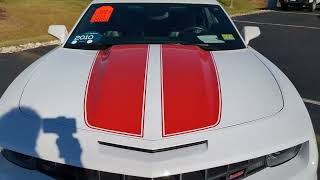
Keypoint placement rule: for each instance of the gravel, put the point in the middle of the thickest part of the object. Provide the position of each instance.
(13, 49)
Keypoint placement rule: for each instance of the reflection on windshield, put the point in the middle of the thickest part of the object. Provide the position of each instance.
(104, 25)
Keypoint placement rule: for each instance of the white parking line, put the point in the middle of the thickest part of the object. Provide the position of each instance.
(310, 101)
(272, 24)
(298, 13)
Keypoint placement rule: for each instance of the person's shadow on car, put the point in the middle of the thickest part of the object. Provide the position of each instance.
(69, 146)
(19, 132)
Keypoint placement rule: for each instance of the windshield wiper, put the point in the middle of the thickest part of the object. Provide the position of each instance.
(204, 46)
(102, 46)
(207, 47)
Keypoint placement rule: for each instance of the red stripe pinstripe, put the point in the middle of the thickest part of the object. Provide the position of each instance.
(190, 90)
(115, 95)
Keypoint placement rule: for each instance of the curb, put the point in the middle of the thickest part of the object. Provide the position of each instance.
(23, 47)
(251, 13)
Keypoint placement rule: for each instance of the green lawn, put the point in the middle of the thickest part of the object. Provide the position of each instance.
(23, 21)
(243, 6)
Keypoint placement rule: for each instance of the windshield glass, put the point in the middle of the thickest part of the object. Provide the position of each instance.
(104, 25)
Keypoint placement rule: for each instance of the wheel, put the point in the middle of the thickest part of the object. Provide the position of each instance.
(284, 6)
(313, 6)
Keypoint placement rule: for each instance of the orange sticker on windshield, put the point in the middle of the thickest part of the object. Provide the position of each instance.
(102, 14)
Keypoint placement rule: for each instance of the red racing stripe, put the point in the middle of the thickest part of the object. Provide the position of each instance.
(190, 90)
(115, 94)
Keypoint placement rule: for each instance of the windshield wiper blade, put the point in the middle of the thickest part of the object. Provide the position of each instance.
(204, 46)
(207, 47)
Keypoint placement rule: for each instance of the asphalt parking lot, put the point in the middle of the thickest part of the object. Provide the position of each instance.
(291, 40)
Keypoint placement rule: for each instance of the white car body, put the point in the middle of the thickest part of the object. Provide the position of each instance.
(262, 113)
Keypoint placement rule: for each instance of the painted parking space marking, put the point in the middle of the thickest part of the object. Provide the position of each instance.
(297, 13)
(272, 24)
(310, 101)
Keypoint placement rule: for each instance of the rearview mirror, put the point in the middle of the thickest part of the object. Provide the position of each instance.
(58, 31)
(250, 32)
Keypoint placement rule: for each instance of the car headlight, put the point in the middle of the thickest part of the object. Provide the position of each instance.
(281, 157)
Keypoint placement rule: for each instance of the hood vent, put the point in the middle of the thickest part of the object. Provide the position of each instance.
(153, 151)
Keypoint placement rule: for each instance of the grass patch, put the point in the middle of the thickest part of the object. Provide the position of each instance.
(243, 6)
(24, 21)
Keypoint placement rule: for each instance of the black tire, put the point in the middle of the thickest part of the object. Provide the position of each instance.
(313, 6)
(284, 6)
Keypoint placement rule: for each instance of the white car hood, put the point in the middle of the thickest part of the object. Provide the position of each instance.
(58, 89)
(52, 125)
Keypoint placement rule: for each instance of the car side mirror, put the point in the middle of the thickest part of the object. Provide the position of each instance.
(59, 31)
(250, 32)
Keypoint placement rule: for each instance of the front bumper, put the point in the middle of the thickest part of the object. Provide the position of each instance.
(9, 171)
(303, 166)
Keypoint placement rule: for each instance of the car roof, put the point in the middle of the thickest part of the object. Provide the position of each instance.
(213, 2)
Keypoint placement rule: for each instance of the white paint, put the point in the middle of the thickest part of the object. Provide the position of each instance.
(297, 13)
(310, 101)
(60, 93)
(249, 91)
(274, 24)
(153, 116)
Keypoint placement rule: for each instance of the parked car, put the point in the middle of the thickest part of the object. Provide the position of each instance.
(311, 4)
(155, 90)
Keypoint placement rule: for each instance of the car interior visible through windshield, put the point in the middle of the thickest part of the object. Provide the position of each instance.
(104, 25)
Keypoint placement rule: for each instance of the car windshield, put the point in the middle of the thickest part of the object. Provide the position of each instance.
(104, 25)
